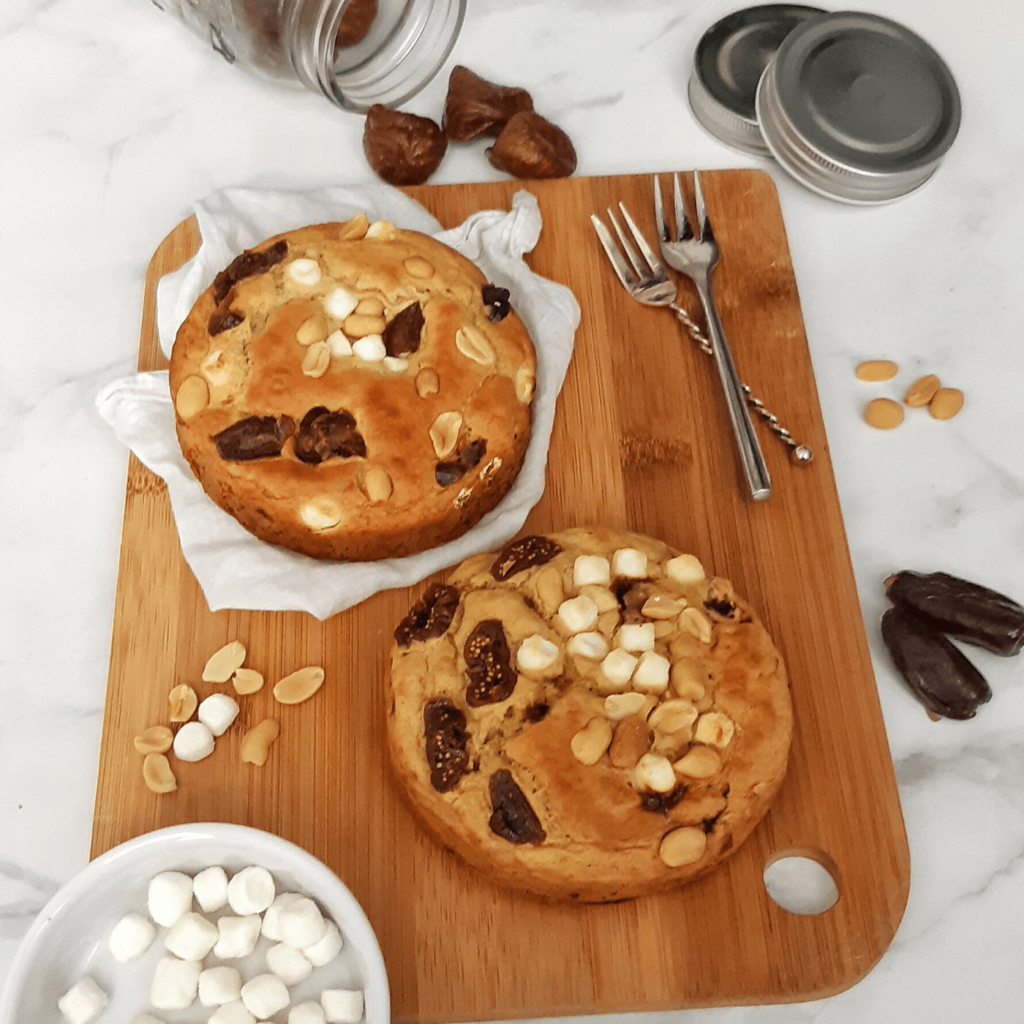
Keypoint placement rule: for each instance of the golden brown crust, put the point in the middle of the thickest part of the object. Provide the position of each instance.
(388, 502)
(600, 843)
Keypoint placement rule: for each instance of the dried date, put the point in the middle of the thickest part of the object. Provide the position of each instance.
(496, 302)
(468, 456)
(446, 736)
(937, 673)
(530, 146)
(324, 434)
(475, 108)
(403, 149)
(256, 437)
(430, 616)
(248, 264)
(513, 818)
(524, 553)
(960, 609)
(404, 331)
(490, 677)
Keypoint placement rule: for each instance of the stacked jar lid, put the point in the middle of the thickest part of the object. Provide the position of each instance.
(856, 107)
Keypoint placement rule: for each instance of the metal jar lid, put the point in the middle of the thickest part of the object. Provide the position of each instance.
(857, 107)
(728, 64)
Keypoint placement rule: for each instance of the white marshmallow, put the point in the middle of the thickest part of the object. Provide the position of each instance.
(340, 345)
(618, 667)
(324, 951)
(290, 964)
(191, 937)
(193, 741)
(264, 995)
(629, 562)
(342, 1006)
(175, 983)
(304, 271)
(217, 713)
(301, 923)
(591, 569)
(210, 888)
(588, 645)
(83, 1002)
(371, 348)
(652, 671)
(170, 896)
(251, 891)
(635, 636)
(685, 569)
(578, 614)
(219, 985)
(130, 937)
(536, 654)
(396, 364)
(306, 1013)
(232, 1013)
(237, 936)
(271, 919)
(339, 303)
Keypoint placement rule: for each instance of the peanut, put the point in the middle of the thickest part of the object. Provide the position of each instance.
(883, 413)
(183, 702)
(877, 370)
(444, 433)
(589, 744)
(192, 398)
(255, 745)
(222, 664)
(157, 774)
(699, 763)
(359, 326)
(920, 393)
(714, 729)
(473, 345)
(370, 306)
(321, 513)
(355, 228)
(682, 846)
(377, 484)
(946, 403)
(427, 382)
(631, 740)
(317, 360)
(247, 680)
(299, 686)
(312, 330)
(696, 623)
(156, 739)
(417, 266)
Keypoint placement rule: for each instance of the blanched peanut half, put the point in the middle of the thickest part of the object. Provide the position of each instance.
(714, 729)
(417, 266)
(620, 705)
(921, 392)
(589, 744)
(221, 666)
(157, 739)
(299, 686)
(371, 305)
(317, 360)
(157, 774)
(876, 370)
(946, 403)
(473, 345)
(255, 746)
(696, 623)
(377, 484)
(312, 330)
(549, 588)
(699, 763)
(192, 398)
(661, 606)
(183, 701)
(427, 382)
(247, 680)
(883, 413)
(683, 846)
(357, 325)
(444, 433)
(654, 772)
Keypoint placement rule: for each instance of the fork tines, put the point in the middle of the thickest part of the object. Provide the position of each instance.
(654, 270)
(684, 231)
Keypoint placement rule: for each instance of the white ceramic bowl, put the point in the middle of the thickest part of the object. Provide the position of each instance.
(69, 937)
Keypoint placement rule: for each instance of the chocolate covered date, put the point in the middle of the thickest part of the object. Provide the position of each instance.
(960, 609)
(936, 672)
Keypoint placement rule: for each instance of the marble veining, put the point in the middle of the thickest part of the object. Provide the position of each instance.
(114, 120)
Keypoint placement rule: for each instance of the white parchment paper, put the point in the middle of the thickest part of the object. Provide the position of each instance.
(234, 568)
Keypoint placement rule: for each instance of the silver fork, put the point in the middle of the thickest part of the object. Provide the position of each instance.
(647, 281)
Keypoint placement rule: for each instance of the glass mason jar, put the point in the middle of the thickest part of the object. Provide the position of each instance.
(354, 52)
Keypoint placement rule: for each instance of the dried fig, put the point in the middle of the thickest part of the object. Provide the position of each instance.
(530, 146)
(524, 553)
(404, 149)
(476, 108)
(513, 818)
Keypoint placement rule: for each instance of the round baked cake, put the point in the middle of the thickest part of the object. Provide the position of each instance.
(587, 715)
(353, 391)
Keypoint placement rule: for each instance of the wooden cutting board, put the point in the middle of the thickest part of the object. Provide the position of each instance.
(641, 441)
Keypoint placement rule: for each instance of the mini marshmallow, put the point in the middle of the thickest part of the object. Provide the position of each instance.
(340, 302)
(618, 666)
(175, 983)
(232, 1013)
(342, 1006)
(251, 891)
(578, 614)
(324, 951)
(217, 712)
(588, 645)
(304, 271)
(306, 1013)
(210, 888)
(396, 364)
(290, 964)
(635, 636)
(536, 654)
(237, 936)
(371, 348)
(193, 741)
(629, 562)
(651, 675)
(271, 919)
(219, 985)
(591, 569)
(130, 937)
(301, 923)
(264, 995)
(170, 896)
(83, 1002)
(191, 937)
(685, 569)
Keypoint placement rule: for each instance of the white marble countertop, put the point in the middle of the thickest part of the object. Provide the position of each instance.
(113, 120)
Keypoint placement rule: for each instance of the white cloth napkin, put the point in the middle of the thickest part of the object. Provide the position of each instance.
(234, 569)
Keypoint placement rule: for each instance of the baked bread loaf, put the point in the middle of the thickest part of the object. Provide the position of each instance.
(353, 391)
(586, 716)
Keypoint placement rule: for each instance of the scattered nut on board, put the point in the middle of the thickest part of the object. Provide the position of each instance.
(299, 686)
(256, 742)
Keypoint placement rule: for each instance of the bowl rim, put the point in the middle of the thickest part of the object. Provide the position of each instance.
(329, 888)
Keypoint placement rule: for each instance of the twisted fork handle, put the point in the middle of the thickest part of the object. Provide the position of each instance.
(800, 454)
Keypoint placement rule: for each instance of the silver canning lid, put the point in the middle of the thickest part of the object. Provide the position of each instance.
(858, 108)
(727, 65)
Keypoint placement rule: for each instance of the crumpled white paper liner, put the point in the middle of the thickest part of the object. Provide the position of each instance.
(234, 568)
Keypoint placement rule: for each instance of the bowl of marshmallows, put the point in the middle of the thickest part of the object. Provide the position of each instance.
(205, 923)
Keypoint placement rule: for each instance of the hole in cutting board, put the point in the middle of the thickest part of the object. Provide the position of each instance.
(802, 881)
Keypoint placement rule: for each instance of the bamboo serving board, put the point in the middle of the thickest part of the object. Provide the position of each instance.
(641, 441)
